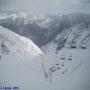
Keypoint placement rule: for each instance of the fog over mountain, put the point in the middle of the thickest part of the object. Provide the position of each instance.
(42, 29)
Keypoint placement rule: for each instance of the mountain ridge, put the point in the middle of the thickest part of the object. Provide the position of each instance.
(11, 42)
(36, 26)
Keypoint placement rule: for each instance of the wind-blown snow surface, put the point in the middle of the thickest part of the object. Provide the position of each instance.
(17, 68)
(18, 44)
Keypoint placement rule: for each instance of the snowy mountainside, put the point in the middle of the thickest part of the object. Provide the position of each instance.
(10, 42)
(66, 70)
(16, 58)
(46, 27)
(27, 18)
(69, 38)
(64, 65)
(30, 25)
(66, 53)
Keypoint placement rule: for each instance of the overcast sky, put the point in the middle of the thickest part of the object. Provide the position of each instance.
(45, 6)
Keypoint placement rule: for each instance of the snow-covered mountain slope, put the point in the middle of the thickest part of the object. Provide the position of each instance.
(11, 43)
(68, 52)
(30, 25)
(73, 38)
(67, 69)
(27, 18)
(64, 65)
(35, 26)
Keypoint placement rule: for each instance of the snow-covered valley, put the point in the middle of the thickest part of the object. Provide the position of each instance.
(61, 64)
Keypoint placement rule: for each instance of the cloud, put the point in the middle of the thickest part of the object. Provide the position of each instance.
(85, 1)
(4, 3)
(45, 6)
(85, 4)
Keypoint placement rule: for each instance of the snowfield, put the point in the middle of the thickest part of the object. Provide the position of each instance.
(18, 44)
(25, 65)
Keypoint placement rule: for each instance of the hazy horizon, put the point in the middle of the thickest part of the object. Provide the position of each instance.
(45, 6)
